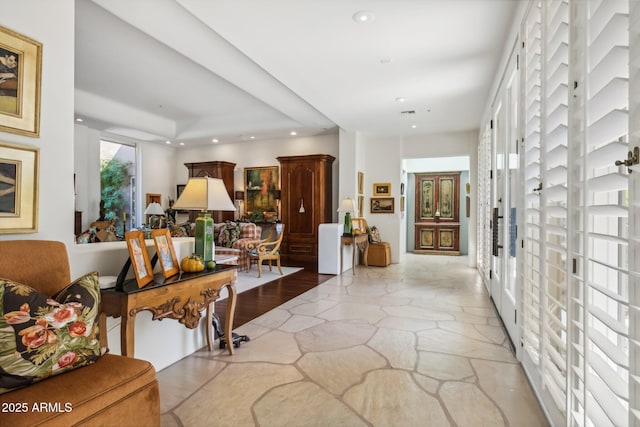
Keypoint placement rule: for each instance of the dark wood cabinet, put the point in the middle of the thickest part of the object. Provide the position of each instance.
(215, 169)
(306, 203)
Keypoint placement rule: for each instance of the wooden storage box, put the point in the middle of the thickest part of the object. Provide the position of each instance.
(379, 254)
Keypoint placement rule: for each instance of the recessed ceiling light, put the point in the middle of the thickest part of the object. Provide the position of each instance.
(182, 143)
(167, 142)
(252, 137)
(363, 16)
(293, 133)
(401, 99)
(215, 140)
(79, 120)
(414, 126)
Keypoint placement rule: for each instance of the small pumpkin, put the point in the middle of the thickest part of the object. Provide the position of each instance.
(191, 264)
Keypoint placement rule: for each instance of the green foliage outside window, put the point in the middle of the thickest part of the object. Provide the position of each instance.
(114, 181)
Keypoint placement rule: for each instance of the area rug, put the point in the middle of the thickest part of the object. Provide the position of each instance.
(250, 280)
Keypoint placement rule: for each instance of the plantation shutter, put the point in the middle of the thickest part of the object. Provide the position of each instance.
(484, 192)
(599, 286)
(634, 222)
(531, 333)
(554, 146)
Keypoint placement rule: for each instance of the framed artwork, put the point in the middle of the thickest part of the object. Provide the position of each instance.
(360, 182)
(179, 190)
(382, 205)
(18, 189)
(166, 252)
(139, 257)
(360, 205)
(382, 189)
(261, 184)
(401, 203)
(20, 70)
(358, 226)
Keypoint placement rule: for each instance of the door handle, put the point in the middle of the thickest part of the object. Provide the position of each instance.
(495, 233)
(631, 160)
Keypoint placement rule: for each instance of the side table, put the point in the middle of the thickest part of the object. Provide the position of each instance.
(181, 297)
(359, 241)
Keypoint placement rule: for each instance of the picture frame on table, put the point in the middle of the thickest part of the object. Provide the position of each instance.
(382, 189)
(20, 74)
(357, 226)
(18, 188)
(139, 257)
(166, 252)
(382, 205)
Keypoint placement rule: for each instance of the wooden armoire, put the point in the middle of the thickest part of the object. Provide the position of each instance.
(306, 183)
(214, 169)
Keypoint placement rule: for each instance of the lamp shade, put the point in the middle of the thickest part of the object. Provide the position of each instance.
(204, 193)
(347, 205)
(239, 195)
(154, 208)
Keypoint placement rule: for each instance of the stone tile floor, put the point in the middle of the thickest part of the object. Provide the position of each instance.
(414, 344)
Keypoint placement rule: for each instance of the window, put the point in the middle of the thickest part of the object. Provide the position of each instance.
(118, 184)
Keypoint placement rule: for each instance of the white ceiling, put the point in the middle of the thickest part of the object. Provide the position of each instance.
(193, 70)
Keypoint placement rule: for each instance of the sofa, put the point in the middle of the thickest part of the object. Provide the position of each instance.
(235, 238)
(108, 390)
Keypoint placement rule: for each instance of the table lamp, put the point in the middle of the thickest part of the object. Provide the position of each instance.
(204, 194)
(154, 209)
(347, 206)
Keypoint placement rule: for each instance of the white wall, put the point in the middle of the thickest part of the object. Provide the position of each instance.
(383, 164)
(34, 18)
(256, 154)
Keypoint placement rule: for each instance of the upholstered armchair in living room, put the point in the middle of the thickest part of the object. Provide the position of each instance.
(234, 238)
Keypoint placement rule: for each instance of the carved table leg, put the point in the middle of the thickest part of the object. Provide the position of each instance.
(127, 330)
(355, 251)
(209, 326)
(102, 326)
(231, 308)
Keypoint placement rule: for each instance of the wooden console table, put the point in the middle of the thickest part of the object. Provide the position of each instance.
(181, 297)
(359, 241)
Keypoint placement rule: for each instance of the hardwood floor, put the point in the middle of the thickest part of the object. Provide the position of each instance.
(257, 301)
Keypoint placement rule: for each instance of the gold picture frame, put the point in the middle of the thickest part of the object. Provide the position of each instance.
(139, 257)
(360, 205)
(18, 188)
(360, 182)
(260, 186)
(166, 253)
(382, 205)
(381, 189)
(20, 90)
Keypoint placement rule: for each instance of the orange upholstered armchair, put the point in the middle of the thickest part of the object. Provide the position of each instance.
(114, 390)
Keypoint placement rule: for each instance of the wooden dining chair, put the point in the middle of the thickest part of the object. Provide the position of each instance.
(268, 249)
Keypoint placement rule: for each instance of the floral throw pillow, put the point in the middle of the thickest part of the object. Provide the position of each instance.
(229, 233)
(41, 336)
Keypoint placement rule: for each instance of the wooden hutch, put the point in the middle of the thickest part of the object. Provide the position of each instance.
(215, 169)
(306, 183)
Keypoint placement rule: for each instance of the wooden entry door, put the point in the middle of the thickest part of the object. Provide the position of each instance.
(437, 213)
